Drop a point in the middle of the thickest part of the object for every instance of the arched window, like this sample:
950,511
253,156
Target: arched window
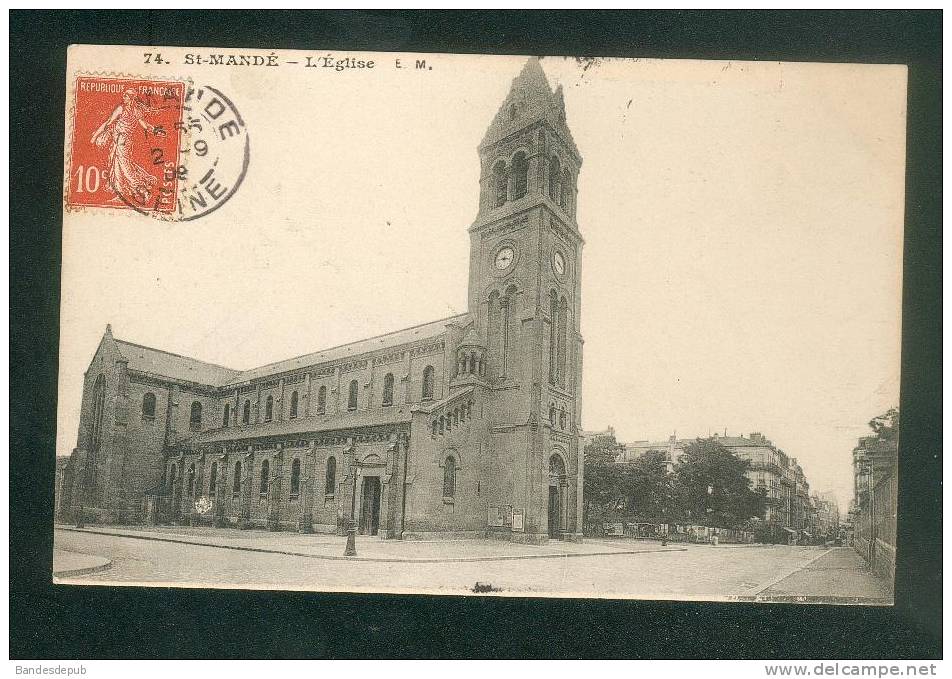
246,413
442,424
330,476
213,480
352,395
520,176
493,325
236,482
565,194
195,416
505,308
428,383
563,419
294,405
191,479
269,408
560,367
555,178
265,472
173,472
226,416
449,477
99,407
456,417
321,400
388,390
435,425
552,415
148,406
553,336
499,184
295,478
556,468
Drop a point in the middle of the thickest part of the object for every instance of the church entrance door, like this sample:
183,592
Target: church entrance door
555,511
556,483
370,506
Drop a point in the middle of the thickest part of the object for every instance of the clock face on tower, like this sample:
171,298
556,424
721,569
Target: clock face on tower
558,263
504,258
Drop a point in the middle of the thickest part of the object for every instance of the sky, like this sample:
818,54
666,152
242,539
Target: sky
743,227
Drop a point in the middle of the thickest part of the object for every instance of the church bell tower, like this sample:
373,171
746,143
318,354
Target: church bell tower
525,298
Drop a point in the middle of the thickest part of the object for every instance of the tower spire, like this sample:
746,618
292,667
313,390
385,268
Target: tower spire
529,101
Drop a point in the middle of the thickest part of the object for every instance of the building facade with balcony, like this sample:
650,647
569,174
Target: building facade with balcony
790,510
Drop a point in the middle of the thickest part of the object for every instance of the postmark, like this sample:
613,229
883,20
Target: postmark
215,152
167,149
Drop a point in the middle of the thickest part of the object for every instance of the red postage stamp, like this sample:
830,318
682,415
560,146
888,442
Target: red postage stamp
125,144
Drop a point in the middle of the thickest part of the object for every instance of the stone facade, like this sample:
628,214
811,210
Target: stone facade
460,427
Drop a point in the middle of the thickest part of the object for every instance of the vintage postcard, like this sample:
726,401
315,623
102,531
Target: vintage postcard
472,324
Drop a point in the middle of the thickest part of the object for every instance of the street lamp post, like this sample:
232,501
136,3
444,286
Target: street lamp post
351,548
710,513
870,545
81,519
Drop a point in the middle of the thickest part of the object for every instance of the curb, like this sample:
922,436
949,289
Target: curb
328,557
75,572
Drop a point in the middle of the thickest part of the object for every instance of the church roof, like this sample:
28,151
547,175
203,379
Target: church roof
174,366
177,367
424,331
306,425
534,100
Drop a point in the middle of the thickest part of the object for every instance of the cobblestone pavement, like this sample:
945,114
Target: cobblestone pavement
689,572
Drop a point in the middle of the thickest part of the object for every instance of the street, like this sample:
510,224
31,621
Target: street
627,569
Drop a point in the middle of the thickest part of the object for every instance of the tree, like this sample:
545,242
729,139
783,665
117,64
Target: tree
886,426
603,483
649,487
713,488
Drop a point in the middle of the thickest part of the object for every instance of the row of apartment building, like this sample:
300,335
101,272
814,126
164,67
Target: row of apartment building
793,511
873,509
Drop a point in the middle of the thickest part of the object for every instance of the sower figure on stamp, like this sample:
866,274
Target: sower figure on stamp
125,176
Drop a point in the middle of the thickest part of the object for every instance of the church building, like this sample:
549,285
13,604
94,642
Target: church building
466,426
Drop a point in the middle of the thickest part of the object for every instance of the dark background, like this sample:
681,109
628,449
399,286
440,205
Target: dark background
98,622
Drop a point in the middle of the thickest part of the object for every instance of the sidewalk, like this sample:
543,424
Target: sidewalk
369,548
838,576
69,564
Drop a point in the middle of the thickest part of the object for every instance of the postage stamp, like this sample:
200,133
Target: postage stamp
165,148
125,144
